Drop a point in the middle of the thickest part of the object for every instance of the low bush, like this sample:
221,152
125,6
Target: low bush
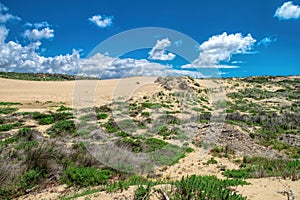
30,178
205,187
7,110
7,127
61,128
85,176
258,167
102,115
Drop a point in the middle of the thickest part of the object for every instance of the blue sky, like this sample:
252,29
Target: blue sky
236,38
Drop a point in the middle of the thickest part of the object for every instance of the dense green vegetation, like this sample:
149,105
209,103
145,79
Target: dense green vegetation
258,167
205,187
85,176
41,76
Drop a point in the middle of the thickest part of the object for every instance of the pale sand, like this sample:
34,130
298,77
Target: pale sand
29,92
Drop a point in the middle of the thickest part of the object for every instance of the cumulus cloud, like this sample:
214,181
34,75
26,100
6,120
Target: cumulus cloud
36,34
220,48
105,67
102,21
158,52
15,57
288,11
5,17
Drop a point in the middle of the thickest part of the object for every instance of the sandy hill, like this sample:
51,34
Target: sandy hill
58,136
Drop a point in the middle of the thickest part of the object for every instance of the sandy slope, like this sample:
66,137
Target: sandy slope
28,92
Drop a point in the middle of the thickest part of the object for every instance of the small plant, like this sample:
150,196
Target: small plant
7,110
30,179
111,126
205,187
212,161
24,131
102,116
63,108
122,134
9,103
85,176
64,127
142,193
7,127
146,114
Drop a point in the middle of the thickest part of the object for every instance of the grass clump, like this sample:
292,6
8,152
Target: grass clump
30,178
205,187
63,127
142,193
85,176
9,103
63,108
102,115
7,110
258,167
7,127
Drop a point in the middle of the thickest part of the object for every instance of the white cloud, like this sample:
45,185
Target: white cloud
220,48
288,11
36,34
38,25
158,52
15,57
5,17
266,41
3,34
102,21
104,67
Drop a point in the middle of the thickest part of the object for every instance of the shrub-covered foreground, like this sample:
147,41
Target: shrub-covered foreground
188,188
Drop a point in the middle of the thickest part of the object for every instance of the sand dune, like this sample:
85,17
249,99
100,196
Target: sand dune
28,92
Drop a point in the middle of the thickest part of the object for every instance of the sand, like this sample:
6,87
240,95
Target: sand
33,94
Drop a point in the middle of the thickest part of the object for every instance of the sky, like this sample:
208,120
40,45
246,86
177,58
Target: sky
200,38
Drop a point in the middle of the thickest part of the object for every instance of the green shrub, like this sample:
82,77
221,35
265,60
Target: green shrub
28,145
122,134
30,179
9,103
7,110
47,120
211,161
24,131
153,144
146,114
102,115
264,167
205,187
7,127
189,150
85,176
64,127
142,193
240,173
63,108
